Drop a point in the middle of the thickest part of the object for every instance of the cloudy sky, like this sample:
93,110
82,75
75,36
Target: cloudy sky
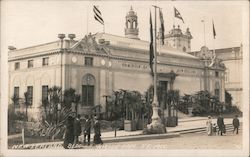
27,23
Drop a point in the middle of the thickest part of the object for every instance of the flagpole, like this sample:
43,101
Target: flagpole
213,38
173,15
204,29
214,45
87,19
174,19
155,62
156,125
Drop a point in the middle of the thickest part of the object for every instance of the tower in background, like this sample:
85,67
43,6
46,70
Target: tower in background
177,40
131,30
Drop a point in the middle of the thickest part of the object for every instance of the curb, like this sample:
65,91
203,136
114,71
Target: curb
191,120
140,137
109,140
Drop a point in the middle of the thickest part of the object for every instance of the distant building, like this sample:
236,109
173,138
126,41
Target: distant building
101,63
232,58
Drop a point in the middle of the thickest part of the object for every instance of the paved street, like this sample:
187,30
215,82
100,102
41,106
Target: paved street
187,141
195,139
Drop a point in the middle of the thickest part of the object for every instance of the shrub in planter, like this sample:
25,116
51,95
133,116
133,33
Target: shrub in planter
129,125
172,121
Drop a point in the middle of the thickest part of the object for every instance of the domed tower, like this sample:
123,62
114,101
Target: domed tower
131,30
178,40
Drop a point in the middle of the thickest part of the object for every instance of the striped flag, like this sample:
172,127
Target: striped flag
151,48
214,33
177,14
98,15
162,26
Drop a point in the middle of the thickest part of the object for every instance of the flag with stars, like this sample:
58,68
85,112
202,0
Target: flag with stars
177,14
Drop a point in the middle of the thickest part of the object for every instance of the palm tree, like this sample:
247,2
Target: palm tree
15,100
187,103
69,96
54,99
27,103
45,103
77,100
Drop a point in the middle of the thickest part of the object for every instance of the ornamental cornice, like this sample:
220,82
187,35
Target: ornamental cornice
146,52
86,53
162,63
128,49
115,57
33,55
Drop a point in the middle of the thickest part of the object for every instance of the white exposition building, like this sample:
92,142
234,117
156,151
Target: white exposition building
101,63
232,58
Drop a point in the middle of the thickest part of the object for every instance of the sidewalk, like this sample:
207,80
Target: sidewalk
121,135
184,124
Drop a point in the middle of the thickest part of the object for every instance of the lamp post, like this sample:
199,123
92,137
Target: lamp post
106,104
61,37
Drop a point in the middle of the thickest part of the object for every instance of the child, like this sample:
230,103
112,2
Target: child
214,129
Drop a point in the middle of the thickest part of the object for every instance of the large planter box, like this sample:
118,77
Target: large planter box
190,110
129,125
140,124
172,121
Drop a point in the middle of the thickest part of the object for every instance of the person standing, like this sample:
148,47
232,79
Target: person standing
77,129
97,130
214,129
236,124
209,126
69,133
220,123
87,130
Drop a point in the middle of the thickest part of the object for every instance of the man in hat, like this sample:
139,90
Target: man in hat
236,124
87,130
77,128
220,123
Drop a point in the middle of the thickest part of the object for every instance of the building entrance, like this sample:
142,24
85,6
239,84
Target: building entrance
88,95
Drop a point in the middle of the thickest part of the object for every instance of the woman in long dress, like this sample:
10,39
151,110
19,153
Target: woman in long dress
209,125
69,133
97,130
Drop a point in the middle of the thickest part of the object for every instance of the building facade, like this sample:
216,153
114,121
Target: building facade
101,63
232,59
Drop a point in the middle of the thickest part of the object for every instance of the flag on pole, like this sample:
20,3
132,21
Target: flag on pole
177,14
162,26
214,33
151,48
98,15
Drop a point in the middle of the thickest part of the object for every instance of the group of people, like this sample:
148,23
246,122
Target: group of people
212,128
74,130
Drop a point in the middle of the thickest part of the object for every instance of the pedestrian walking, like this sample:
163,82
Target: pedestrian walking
220,123
77,129
69,133
87,130
97,130
236,124
209,126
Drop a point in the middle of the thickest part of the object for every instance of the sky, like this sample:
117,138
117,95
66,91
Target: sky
28,23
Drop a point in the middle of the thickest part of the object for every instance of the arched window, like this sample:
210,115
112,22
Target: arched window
134,24
88,90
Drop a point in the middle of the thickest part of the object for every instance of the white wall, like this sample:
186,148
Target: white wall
187,84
